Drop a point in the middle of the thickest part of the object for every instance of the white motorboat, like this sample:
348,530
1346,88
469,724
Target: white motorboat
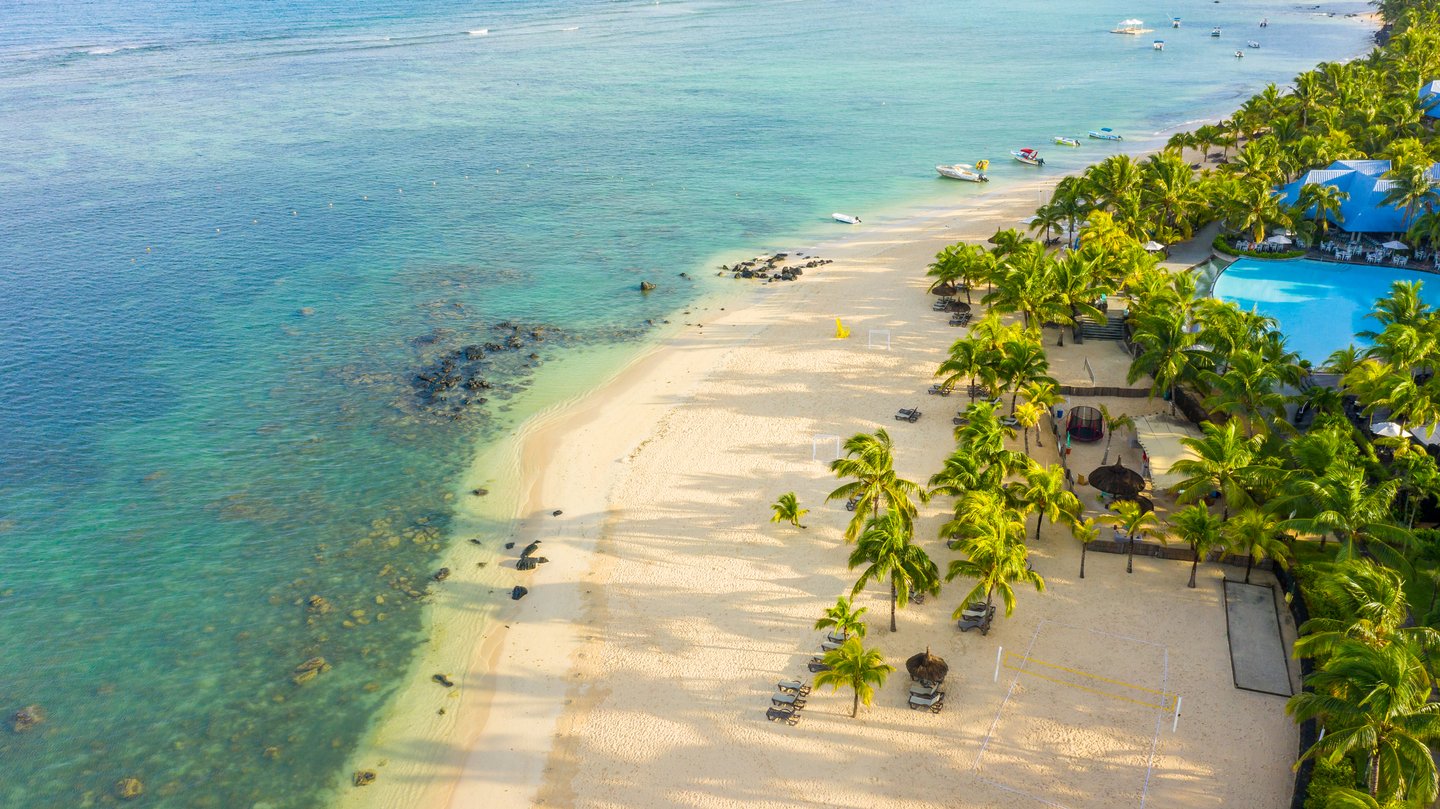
1174,22
1158,44
1029,157
964,171
1105,133
845,218
1239,54
1215,32
1132,27
1252,44
1064,141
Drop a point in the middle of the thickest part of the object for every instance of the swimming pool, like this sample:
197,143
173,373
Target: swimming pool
1319,305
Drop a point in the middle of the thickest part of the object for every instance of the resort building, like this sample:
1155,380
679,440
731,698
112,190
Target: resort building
1430,98
1364,181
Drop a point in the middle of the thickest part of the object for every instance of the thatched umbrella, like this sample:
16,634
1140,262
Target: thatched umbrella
944,288
925,666
959,306
1117,479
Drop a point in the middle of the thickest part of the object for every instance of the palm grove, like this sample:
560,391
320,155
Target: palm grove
1331,501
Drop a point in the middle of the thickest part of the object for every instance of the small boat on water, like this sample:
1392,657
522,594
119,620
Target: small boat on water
1215,32
1029,157
1158,44
1252,44
1064,141
965,171
1265,23
1239,54
1132,27
1105,133
845,218
1174,22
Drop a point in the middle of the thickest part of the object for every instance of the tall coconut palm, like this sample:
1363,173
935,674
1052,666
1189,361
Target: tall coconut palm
1365,603
1137,523
787,509
869,459
996,557
1255,533
1113,422
845,618
1197,527
1027,415
1022,362
1347,504
1223,462
1412,189
888,555
1043,491
1376,703
1085,531
859,669
1323,202
1166,351
1075,283
1252,207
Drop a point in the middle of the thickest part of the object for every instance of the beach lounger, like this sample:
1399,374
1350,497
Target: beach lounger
924,689
940,389
793,685
960,319
910,414
1009,421
789,716
829,645
974,609
817,664
852,502
840,638
942,304
981,621
932,703
787,699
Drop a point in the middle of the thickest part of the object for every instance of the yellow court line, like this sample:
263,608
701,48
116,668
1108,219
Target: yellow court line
1084,673
1167,704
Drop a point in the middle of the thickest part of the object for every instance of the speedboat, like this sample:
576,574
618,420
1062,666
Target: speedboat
1174,22
1064,141
1158,44
1239,54
845,218
1105,133
1029,157
1252,44
963,171
1215,32
1265,23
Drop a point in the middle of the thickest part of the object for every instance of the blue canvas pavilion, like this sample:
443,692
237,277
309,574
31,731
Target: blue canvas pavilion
1363,180
1430,98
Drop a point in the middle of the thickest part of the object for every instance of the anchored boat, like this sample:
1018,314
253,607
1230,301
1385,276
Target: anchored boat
1064,141
845,218
1105,133
965,171
1029,157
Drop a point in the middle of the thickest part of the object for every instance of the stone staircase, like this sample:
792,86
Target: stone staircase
1112,329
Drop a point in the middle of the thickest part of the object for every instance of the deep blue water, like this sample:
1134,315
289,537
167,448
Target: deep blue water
232,233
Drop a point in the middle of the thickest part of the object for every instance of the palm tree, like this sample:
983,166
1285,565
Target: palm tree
1085,531
1166,350
1044,492
857,668
1027,415
787,509
1255,533
1376,702
1022,361
1170,191
869,459
1075,284
1344,502
844,617
996,557
886,549
1252,207
1223,462
1197,527
1113,422
1369,606
1324,201
1136,523
969,359
1411,190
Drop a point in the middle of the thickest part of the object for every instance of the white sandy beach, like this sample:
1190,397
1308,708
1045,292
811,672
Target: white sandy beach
638,669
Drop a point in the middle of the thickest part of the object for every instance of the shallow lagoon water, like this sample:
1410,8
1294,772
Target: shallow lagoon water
234,233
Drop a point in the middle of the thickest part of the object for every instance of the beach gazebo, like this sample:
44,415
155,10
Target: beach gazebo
928,667
1117,479
1085,424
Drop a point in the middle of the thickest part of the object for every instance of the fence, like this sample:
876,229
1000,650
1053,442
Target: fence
1309,729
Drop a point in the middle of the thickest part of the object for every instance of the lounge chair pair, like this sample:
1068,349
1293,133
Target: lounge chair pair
941,389
794,686
941,304
787,699
816,664
977,616
932,703
924,688
829,645
960,318
910,414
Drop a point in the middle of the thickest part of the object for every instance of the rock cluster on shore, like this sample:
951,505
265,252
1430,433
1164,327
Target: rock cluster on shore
778,267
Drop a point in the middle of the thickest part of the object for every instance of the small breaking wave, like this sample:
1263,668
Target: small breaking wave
479,32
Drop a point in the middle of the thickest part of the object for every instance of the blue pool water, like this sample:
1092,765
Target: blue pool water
1319,305
233,233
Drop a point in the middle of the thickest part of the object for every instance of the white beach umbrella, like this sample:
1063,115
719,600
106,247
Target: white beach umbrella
1029,220
1388,429
1394,245
1154,247
1279,239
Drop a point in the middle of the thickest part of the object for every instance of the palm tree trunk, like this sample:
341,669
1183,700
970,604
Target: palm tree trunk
1083,546
1194,566
1249,563
855,706
893,598
1130,555
1039,518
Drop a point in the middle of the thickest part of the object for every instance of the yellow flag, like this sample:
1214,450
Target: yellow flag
840,331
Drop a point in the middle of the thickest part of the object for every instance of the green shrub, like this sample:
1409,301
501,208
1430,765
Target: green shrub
1326,777
1223,244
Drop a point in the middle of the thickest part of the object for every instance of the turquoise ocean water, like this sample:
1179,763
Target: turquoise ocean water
233,233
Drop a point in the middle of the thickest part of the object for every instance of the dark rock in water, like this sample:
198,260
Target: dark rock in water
509,545
473,353
526,563
542,560
442,574
129,788
556,513
479,492
475,541
309,670
317,604
27,718
646,286
363,778
443,680
518,593
530,549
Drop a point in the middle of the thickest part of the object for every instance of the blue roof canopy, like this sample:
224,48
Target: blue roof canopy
1363,180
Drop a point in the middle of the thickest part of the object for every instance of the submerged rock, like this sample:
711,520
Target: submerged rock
443,680
526,563
363,778
128,789
27,718
518,593
442,574
317,604
646,286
